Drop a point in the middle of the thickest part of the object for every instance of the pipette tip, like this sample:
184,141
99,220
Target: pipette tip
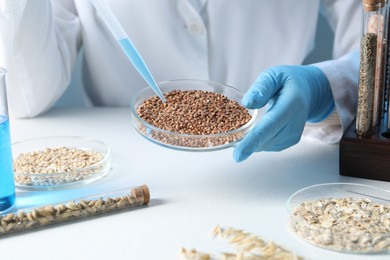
161,96
158,92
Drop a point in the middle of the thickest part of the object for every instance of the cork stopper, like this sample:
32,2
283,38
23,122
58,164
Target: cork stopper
146,192
372,5
141,194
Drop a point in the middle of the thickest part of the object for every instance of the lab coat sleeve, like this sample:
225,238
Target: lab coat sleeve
38,46
342,72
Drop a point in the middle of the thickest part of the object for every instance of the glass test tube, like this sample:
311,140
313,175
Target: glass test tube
386,103
7,187
89,206
372,22
380,63
386,64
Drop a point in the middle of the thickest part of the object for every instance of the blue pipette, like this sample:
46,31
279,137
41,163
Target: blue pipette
124,41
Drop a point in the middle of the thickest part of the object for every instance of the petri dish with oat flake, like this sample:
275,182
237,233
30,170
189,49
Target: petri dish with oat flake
59,162
343,217
197,142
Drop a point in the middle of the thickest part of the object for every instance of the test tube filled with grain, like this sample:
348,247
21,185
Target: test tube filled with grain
67,211
371,34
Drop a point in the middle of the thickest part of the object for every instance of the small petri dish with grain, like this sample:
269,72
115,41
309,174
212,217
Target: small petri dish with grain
59,162
344,217
198,115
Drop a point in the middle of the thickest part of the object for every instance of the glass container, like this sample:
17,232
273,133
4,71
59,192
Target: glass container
190,142
340,217
72,210
7,188
50,180
371,63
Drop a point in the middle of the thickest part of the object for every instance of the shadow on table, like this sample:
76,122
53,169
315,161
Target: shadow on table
275,175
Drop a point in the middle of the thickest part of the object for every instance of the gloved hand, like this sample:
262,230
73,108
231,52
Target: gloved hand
296,94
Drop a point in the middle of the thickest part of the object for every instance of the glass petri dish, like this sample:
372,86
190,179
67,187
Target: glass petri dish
30,180
189,142
339,226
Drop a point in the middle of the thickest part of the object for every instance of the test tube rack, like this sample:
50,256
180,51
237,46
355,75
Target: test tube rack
365,156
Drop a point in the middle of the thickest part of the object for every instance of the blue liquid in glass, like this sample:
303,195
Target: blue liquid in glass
7,188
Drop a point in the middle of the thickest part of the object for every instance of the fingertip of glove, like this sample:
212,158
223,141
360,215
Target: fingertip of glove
239,156
248,100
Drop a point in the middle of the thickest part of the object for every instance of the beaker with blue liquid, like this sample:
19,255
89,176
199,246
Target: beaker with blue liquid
7,187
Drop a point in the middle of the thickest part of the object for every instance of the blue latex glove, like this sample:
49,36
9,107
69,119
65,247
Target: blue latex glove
296,94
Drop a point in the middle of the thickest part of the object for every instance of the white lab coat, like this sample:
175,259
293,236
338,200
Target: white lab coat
228,41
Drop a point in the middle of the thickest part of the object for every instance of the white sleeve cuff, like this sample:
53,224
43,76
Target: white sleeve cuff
343,78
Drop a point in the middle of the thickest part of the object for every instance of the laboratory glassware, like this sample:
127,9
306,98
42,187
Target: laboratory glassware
7,187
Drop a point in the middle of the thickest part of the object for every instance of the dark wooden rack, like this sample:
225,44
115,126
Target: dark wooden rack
365,157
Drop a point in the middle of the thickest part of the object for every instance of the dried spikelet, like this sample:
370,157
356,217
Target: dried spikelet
238,231
203,256
248,247
216,231
228,256
193,254
238,238
241,255
227,233
248,240
269,249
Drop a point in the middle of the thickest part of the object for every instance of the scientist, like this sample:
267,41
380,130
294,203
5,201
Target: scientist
255,44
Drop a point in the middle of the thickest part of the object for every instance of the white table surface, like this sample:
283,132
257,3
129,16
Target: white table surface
190,194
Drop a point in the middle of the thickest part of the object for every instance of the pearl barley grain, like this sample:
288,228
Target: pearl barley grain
344,224
74,163
44,216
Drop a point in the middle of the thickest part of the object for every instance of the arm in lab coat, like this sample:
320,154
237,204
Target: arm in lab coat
344,18
38,46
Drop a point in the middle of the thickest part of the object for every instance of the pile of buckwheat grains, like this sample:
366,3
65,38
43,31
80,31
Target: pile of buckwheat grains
247,245
56,160
193,119
344,224
194,112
